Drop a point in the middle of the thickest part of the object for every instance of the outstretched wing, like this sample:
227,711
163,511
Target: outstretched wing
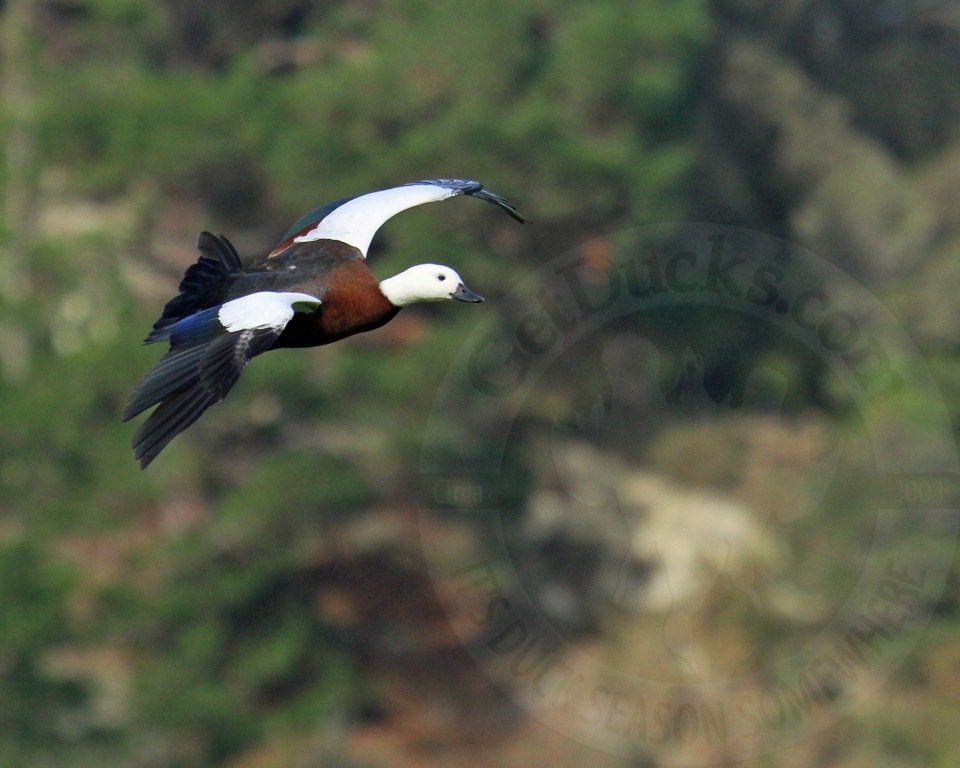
208,352
355,220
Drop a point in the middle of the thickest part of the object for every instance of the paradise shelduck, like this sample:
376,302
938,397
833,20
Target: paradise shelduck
314,288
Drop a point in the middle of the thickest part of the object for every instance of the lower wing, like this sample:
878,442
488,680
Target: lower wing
208,352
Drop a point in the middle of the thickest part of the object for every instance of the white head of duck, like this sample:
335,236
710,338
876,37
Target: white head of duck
426,282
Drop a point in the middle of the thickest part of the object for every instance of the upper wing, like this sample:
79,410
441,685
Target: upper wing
355,220
208,352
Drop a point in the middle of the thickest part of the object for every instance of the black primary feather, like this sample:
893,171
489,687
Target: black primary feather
493,197
473,189
188,381
176,370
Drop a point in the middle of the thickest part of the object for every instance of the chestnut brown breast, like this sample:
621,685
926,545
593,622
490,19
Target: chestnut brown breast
352,303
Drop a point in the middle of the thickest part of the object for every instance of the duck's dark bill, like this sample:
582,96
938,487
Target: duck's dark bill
465,294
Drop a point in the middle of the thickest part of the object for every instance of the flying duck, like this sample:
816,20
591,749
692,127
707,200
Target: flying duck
314,288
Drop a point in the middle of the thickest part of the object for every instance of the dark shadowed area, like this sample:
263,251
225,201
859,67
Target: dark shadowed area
682,491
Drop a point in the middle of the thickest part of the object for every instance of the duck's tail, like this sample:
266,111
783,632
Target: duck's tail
203,285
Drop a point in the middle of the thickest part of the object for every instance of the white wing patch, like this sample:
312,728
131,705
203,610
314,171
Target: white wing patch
357,221
265,309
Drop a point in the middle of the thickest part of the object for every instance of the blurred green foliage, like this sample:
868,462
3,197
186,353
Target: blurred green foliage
153,119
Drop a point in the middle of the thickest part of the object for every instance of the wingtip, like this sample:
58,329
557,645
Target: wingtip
144,460
500,201
517,216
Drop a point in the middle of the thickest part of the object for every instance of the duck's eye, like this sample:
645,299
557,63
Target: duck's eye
441,278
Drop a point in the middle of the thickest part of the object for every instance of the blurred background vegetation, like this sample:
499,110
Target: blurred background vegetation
259,597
